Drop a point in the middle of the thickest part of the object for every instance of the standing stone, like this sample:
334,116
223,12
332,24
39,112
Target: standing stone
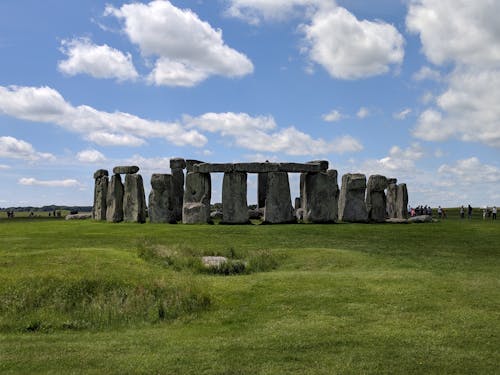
321,197
177,166
278,207
234,198
100,194
298,203
375,198
134,200
392,193
402,202
114,200
352,207
160,199
196,207
261,189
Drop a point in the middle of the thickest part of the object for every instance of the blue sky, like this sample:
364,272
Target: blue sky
407,89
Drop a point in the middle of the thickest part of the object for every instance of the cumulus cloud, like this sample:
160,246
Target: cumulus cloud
402,114
44,104
333,116
463,31
67,183
467,35
349,48
427,73
99,61
470,171
467,110
14,148
90,156
188,50
261,134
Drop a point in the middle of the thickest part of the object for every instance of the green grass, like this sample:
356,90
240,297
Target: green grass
91,297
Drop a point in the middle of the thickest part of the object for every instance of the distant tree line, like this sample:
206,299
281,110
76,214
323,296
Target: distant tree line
50,208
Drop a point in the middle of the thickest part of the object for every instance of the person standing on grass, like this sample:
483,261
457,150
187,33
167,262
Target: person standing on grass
469,212
440,212
462,212
494,213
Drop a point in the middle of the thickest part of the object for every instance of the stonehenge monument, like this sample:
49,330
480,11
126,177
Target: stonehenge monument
375,198
161,202
100,194
178,197
352,206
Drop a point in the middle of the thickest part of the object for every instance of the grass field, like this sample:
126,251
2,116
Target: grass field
92,297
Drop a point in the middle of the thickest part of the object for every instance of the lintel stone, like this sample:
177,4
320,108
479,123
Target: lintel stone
126,169
258,167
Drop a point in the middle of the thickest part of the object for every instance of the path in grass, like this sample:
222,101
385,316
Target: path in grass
344,299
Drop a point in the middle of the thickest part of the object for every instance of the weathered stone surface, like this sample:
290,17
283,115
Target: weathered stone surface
100,173
376,204
256,214
256,167
177,192
396,221
190,163
216,215
261,190
196,207
323,164
234,198
352,206
391,198
177,163
402,202
114,200
82,216
160,199
134,200
321,197
278,207
123,169
100,196
213,261
420,219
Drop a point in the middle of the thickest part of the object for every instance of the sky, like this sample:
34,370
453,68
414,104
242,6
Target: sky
409,89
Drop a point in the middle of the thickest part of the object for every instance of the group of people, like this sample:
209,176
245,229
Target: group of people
10,214
420,210
487,212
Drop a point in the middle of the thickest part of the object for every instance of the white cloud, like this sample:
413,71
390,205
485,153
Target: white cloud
427,73
253,11
333,116
14,148
68,183
84,57
400,163
188,49
90,156
467,110
150,165
427,97
45,104
460,31
349,48
470,172
254,133
4,167
363,112
402,114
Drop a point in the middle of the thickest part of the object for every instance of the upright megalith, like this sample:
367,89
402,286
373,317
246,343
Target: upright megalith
160,199
391,197
375,198
134,200
177,166
196,206
320,194
261,189
100,194
114,200
402,202
278,208
234,198
352,206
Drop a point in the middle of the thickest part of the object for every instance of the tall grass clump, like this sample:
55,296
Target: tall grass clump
45,304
